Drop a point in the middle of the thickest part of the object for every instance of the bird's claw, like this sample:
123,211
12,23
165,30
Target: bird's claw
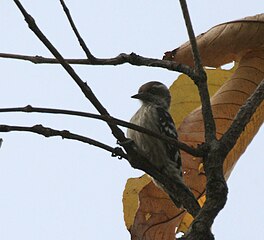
117,152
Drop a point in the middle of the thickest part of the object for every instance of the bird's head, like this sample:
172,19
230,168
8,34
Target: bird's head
155,93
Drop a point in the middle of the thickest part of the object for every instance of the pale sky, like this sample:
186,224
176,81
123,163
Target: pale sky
54,189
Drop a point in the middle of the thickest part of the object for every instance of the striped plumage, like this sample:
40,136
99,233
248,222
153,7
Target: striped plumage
153,114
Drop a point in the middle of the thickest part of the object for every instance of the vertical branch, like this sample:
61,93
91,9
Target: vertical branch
209,123
196,55
200,79
216,187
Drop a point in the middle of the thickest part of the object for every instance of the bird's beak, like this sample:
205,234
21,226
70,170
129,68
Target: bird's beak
138,96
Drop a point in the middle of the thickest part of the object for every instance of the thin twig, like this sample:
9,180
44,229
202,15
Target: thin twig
65,134
75,30
111,120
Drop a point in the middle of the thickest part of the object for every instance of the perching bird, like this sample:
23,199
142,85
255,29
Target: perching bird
154,115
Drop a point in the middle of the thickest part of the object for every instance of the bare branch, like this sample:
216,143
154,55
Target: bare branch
242,118
209,123
200,79
216,187
109,119
122,58
196,55
81,41
65,134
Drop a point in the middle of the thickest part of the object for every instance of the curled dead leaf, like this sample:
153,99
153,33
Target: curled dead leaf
224,43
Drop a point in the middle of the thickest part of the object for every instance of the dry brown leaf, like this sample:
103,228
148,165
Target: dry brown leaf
130,197
224,43
156,217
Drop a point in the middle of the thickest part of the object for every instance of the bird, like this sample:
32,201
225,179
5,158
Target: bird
154,115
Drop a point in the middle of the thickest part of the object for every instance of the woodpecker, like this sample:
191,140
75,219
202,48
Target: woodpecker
153,114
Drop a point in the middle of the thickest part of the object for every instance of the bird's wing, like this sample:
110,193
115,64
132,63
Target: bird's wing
167,128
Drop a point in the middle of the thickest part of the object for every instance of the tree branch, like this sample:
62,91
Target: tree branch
65,134
81,41
196,55
109,119
216,188
200,79
122,58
